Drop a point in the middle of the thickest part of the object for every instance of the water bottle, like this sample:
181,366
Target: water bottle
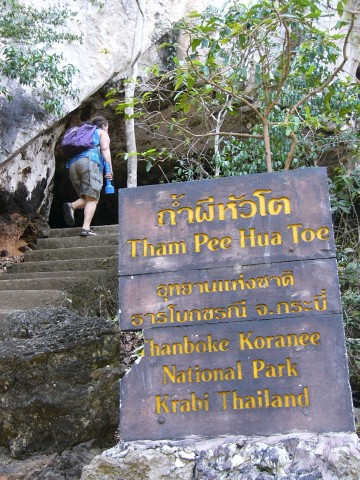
109,188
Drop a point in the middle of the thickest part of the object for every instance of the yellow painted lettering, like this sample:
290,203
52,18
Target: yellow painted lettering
133,244
160,404
200,239
323,233
258,366
294,230
224,395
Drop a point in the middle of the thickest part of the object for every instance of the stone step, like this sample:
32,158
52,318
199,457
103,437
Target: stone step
11,301
62,265
74,231
50,274
76,242
69,283
71,253
64,270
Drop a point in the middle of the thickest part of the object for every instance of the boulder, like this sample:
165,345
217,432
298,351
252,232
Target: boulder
55,466
59,381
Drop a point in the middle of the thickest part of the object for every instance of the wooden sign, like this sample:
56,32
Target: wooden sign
250,378
235,282
214,295
232,221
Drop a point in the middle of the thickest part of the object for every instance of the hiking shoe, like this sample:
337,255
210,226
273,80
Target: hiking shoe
68,214
86,233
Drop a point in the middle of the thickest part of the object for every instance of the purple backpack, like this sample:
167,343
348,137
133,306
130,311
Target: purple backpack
78,139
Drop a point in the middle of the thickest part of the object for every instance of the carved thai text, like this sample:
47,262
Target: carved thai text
208,210
173,315
166,291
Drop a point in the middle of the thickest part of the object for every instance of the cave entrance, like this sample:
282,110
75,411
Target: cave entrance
107,209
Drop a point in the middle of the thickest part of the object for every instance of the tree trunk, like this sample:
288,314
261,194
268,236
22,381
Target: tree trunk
130,132
129,97
267,146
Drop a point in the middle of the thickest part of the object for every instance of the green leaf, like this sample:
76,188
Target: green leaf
150,151
111,101
258,79
179,82
194,14
340,8
190,81
195,43
351,267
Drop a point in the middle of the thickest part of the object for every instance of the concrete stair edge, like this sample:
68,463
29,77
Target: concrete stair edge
26,300
54,266
69,253
57,283
50,274
66,271
74,231
76,241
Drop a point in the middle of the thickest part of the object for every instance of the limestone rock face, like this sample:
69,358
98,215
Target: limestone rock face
26,190
107,50
58,381
290,457
114,33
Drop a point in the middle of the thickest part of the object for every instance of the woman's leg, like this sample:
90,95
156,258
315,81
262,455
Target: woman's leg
89,211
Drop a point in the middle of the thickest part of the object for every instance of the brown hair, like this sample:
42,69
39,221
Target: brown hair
99,121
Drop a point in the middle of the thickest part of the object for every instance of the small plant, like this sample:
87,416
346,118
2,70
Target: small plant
132,347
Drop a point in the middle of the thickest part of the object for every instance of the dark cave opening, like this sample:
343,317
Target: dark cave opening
107,209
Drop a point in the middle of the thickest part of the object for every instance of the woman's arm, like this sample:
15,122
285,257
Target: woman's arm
105,150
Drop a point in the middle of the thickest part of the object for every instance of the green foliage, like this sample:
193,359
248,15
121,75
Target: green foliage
270,66
318,138
261,88
168,48
344,197
345,204
275,60
349,274
27,34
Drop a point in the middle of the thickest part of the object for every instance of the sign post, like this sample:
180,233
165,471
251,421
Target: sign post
234,282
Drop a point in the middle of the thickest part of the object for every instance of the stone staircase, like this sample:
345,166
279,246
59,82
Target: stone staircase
64,270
